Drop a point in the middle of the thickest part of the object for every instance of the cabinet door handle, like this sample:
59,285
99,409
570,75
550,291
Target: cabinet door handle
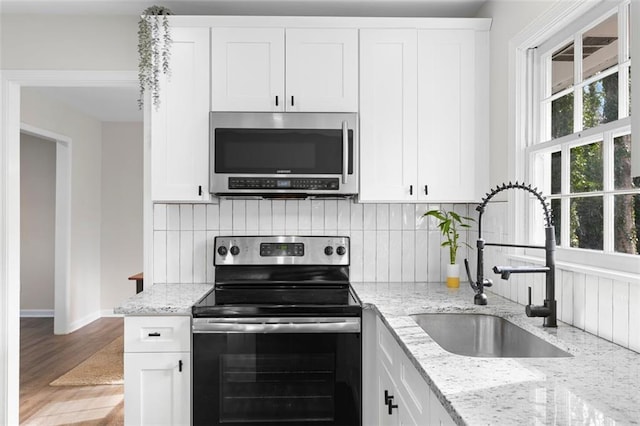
180,366
200,190
391,407
410,189
156,334
292,100
276,100
426,190
388,399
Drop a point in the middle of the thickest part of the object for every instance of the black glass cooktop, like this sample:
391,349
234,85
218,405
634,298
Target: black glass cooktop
276,291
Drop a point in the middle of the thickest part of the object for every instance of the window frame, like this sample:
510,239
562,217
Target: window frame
536,128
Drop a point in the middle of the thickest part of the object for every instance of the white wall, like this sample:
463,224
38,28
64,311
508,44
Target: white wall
86,164
509,18
37,214
78,42
389,242
121,229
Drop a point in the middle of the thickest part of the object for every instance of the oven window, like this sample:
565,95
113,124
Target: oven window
271,151
277,387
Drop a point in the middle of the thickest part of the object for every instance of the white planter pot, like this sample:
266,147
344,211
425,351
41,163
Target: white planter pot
453,276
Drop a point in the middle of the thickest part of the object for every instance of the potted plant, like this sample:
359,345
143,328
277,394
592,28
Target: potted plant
154,51
449,223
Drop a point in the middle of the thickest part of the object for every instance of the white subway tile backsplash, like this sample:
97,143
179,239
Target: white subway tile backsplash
239,220
330,215
160,256
199,256
199,217
395,256
213,217
173,256
382,255
226,215
186,217
186,256
291,217
252,214
173,217
389,242
160,217
369,256
304,216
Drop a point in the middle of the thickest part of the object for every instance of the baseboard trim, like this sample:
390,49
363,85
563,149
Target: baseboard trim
109,313
36,313
83,321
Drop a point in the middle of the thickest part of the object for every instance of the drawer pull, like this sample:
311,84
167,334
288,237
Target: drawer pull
180,366
154,334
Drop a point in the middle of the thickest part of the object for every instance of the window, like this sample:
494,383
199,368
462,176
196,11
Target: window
579,153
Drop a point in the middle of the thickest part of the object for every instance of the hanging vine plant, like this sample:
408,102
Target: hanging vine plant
154,50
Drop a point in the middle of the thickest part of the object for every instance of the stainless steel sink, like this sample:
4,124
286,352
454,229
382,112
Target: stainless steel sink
485,336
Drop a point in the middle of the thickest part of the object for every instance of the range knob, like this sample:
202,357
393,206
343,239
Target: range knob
222,251
234,250
341,250
328,250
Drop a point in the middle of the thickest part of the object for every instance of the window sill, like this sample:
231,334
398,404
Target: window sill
622,268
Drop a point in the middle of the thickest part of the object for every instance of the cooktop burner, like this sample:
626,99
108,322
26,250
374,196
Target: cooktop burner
280,276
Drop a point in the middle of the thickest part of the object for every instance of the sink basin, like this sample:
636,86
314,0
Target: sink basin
485,336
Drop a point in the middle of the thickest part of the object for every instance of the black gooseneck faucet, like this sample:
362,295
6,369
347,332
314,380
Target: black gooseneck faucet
548,309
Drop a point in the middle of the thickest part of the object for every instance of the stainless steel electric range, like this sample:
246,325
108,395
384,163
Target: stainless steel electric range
278,340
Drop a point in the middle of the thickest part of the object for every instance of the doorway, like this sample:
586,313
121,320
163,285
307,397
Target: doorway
45,205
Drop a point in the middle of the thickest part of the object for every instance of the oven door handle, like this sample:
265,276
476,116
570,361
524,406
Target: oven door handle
276,325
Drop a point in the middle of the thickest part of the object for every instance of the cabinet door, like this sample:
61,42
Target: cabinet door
180,126
388,115
247,69
322,70
386,387
446,110
157,388
438,414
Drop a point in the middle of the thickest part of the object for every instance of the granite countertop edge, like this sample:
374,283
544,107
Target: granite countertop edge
164,299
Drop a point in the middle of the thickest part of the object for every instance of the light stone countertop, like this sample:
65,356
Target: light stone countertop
599,385
164,299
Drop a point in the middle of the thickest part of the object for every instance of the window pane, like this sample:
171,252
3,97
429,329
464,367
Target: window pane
556,172
586,223
586,168
627,223
622,163
600,101
562,68
562,116
600,47
556,212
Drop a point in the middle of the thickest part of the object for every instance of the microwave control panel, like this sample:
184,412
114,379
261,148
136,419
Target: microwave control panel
328,184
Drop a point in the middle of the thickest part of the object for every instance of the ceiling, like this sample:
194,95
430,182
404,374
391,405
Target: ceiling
414,8
121,104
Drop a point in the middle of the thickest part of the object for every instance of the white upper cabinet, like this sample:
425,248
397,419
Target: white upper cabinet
388,115
423,115
180,125
250,72
322,70
247,69
446,115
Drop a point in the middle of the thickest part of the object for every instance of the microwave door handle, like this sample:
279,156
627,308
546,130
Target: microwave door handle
345,151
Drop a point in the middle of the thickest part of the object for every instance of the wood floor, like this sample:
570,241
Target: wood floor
44,357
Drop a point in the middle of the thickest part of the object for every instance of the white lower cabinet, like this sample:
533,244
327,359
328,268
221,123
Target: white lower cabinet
394,392
157,370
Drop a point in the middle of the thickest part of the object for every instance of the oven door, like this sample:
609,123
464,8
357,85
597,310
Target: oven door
277,371
286,152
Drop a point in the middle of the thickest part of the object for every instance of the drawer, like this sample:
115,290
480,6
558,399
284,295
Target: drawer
157,334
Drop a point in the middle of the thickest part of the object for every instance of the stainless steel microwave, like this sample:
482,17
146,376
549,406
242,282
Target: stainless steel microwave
283,154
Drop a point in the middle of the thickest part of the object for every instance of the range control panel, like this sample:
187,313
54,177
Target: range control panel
306,184
281,250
